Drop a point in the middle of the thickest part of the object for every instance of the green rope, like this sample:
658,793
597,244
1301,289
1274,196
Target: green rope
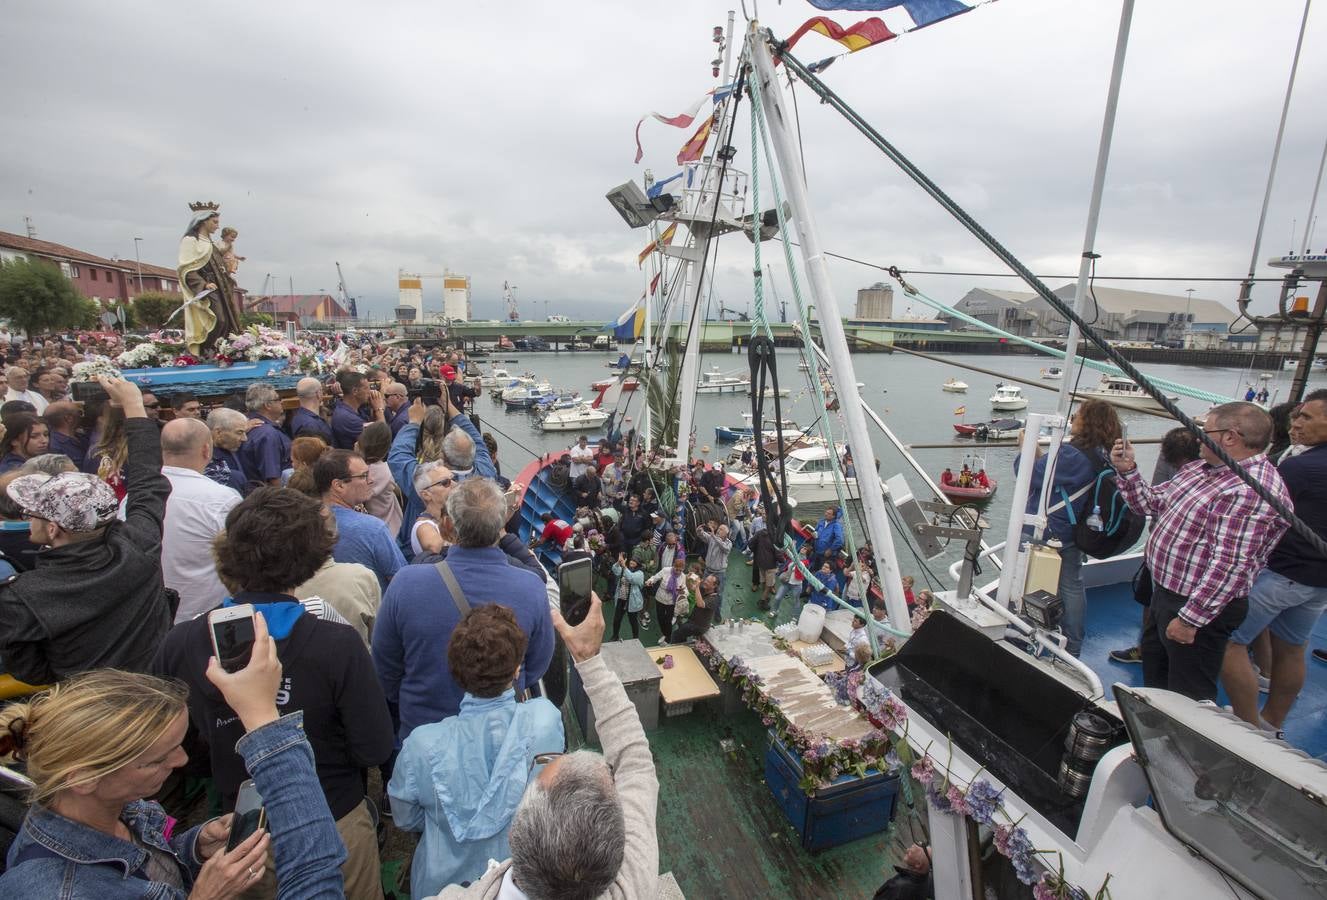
840,485
1106,368
760,321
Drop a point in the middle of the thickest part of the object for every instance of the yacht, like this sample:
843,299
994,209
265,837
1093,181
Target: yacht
954,386
1008,397
1052,373
495,377
580,417
810,475
713,381
526,395
1123,392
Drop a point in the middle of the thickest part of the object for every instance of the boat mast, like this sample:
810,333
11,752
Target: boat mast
711,190
1067,384
831,329
646,370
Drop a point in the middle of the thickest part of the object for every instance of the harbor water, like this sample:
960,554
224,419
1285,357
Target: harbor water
904,390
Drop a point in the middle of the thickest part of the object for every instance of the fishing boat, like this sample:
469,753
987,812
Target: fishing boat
713,381
729,434
1008,397
504,344
494,377
954,386
1052,373
580,416
1122,392
628,384
994,430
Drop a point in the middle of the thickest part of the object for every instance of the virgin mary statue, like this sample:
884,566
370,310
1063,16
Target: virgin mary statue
209,307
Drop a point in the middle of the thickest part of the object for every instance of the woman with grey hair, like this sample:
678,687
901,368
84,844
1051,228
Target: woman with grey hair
48,464
432,530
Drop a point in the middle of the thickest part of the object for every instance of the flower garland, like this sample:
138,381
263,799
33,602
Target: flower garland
886,749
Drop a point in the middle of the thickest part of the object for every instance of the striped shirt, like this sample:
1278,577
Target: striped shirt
1211,534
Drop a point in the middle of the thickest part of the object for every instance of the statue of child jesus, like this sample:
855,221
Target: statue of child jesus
227,247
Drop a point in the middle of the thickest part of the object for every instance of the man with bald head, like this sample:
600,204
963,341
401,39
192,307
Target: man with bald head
307,419
195,513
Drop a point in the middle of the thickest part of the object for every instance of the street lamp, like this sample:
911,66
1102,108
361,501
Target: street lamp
138,259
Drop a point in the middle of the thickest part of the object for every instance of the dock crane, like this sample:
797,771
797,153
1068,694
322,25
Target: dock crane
346,300
509,297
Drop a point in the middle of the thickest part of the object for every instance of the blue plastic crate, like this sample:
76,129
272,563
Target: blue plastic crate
848,809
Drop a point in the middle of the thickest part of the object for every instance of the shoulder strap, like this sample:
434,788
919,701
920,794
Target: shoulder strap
34,850
1069,500
449,579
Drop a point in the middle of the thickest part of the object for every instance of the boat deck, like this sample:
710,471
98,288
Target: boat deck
1113,621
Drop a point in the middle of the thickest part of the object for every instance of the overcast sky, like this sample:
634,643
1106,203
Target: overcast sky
482,138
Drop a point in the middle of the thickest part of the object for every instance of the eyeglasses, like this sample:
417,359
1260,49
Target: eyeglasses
444,482
543,759
151,405
364,475
1220,430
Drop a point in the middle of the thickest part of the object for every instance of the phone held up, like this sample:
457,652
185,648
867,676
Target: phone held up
250,816
232,633
575,583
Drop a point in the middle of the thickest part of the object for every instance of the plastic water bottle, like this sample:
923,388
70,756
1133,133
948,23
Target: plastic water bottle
1094,522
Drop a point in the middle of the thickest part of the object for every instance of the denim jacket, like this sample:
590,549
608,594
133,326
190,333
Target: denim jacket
68,860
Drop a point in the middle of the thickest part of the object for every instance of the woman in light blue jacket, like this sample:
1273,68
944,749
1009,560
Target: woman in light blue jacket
628,598
460,780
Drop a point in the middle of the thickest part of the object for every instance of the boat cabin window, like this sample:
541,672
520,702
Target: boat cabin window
815,465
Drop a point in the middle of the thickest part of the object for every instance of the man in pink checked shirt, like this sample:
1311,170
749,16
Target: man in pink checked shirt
1211,534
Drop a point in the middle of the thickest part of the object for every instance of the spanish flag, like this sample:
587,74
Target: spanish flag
960,411
856,37
664,240
693,148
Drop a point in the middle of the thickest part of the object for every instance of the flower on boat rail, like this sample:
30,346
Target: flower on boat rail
923,770
983,799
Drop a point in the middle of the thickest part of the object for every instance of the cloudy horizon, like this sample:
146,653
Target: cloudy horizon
423,136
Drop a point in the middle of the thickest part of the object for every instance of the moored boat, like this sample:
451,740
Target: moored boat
954,386
1008,397
1123,392
578,417
713,381
1052,373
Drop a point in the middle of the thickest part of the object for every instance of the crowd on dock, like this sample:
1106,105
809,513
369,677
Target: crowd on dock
370,530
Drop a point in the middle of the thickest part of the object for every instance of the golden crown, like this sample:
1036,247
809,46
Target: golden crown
200,206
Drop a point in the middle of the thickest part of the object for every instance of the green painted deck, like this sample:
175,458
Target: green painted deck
720,832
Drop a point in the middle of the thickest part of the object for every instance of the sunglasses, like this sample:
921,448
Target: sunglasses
543,759
444,482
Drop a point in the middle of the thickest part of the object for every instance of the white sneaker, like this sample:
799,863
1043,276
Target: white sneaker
1264,684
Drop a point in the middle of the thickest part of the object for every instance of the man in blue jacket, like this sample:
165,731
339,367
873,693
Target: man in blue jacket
465,454
422,607
829,537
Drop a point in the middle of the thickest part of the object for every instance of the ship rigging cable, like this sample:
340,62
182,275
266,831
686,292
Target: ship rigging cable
830,98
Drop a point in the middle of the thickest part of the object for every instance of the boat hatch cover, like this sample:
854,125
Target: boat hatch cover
1254,807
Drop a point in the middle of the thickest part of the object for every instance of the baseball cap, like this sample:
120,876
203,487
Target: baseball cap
449,372
76,501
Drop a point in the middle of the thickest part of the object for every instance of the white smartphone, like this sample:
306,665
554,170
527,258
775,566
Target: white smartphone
1124,433
232,633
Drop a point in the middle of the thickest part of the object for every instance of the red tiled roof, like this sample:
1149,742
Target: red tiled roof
25,244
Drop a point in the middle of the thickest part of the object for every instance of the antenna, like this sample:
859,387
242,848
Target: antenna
29,227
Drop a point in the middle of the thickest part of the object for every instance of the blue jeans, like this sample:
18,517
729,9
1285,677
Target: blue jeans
723,583
1074,597
783,590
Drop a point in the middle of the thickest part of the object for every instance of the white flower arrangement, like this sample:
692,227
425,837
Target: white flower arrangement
143,356
97,365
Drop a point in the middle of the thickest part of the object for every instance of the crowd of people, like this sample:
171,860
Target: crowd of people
399,623
1230,595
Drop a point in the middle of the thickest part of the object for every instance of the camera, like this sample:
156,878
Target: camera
429,391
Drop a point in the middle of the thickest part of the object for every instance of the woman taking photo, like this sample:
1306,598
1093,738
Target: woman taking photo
1092,432
97,744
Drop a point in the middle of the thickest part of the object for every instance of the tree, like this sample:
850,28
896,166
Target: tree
152,308
36,297
256,318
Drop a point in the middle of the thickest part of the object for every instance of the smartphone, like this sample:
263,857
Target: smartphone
1124,433
575,583
250,816
231,628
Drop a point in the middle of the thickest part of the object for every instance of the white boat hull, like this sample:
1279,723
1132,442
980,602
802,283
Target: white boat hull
1009,405
1143,404
954,388
811,488
573,420
736,388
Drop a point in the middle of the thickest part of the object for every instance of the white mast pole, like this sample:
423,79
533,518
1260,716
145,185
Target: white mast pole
831,330
1094,207
645,377
711,187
